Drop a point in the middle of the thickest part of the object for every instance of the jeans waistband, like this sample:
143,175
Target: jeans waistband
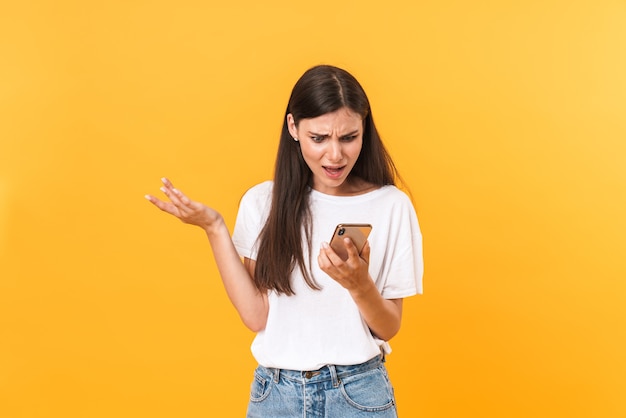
328,372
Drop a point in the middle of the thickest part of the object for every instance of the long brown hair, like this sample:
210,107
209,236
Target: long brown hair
320,90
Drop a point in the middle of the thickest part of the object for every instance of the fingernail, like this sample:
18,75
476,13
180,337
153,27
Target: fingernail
163,189
324,244
147,196
163,179
176,191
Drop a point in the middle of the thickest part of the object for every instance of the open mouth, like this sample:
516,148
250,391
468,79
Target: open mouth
334,172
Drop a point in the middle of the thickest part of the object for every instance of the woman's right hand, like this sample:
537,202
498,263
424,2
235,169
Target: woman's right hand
185,209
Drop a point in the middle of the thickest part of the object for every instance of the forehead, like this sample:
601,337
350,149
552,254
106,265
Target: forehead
343,119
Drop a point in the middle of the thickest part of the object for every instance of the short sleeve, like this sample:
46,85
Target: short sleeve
251,217
404,265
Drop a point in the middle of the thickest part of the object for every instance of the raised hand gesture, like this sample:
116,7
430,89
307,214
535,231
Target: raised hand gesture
185,209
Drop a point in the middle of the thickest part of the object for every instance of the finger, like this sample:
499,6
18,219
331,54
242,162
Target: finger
177,197
169,192
332,256
182,197
322,257
323,262
328,260
169,189
327,266
167,183
350,248
167,186
164,206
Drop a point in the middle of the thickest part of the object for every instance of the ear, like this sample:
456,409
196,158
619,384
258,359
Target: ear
291,125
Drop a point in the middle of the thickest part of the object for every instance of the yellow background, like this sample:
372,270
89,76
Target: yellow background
506,119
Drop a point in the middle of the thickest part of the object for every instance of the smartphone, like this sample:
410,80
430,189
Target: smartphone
358,233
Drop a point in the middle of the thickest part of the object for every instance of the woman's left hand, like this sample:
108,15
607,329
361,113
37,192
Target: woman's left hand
351,273
383,316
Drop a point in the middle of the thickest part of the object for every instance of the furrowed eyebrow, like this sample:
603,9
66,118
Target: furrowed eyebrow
355,132
320,135
350,134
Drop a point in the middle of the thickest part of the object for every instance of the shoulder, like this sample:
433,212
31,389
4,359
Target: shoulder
254,206
258,195
261,189
392,194
393,202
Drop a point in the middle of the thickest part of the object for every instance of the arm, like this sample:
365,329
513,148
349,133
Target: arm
251,304
383,316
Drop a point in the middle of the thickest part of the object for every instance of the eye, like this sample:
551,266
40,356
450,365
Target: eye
349,138
317,138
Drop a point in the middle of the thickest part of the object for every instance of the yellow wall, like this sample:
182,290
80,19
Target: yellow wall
507,119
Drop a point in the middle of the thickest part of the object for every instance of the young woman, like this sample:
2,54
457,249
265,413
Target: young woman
322,323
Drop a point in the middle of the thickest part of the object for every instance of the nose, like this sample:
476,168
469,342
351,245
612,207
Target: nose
334,152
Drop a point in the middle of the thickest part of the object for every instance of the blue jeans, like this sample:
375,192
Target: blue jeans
361,390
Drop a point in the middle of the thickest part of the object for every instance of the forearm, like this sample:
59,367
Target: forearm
383,316
250,303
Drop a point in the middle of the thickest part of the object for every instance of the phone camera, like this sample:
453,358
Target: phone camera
341,231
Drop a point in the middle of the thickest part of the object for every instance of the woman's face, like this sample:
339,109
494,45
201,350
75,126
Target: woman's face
330,146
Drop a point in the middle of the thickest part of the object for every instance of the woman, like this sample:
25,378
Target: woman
322,322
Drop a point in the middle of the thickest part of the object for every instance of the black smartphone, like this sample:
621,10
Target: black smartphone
358,233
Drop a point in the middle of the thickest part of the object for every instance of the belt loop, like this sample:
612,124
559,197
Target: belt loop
276,375
333,375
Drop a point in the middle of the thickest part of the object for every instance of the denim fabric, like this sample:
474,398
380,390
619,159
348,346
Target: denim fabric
361,390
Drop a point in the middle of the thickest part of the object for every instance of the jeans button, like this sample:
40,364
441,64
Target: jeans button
308,375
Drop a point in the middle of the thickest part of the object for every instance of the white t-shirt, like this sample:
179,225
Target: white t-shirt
317,327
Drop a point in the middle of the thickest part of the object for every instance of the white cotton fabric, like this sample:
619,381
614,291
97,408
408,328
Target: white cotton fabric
319,327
